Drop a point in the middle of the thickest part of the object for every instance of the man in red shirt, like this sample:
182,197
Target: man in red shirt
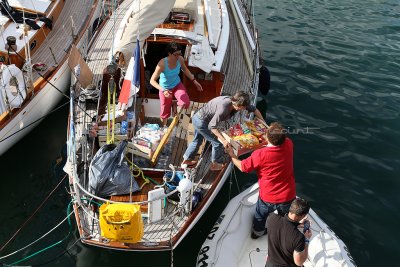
274,167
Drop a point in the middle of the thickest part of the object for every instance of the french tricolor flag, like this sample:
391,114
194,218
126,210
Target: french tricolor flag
131,83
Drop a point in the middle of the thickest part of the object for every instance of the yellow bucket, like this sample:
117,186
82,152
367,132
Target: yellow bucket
121,222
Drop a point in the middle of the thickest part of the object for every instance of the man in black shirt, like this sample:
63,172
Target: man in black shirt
287,246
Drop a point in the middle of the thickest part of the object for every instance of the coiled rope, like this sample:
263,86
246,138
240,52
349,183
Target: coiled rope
136,168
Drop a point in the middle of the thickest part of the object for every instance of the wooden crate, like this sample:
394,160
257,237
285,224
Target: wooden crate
237,148
139,150
117,138
152,153
119,119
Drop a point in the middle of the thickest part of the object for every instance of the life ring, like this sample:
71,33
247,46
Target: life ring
13,84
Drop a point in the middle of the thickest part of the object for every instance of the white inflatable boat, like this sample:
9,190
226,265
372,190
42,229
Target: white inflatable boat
229,242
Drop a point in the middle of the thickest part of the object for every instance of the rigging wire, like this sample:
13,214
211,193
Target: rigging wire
61,254
114,7
233,173
44,116
49,82
37,16
48,247
11,17
33,214
64,251
114,4
55,87
236,179
230,185
71,246
171,246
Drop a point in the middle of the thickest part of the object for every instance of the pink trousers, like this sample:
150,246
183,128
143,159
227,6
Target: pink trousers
180,94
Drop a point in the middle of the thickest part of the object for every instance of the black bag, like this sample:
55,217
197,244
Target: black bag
109,173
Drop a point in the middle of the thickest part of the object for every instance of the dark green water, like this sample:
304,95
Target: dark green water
335,68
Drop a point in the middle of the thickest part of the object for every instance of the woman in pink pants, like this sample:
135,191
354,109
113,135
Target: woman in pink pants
170,84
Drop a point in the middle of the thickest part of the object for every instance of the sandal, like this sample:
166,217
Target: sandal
215,166
189,163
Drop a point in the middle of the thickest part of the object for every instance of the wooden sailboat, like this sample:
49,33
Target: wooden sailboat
220,48
36,40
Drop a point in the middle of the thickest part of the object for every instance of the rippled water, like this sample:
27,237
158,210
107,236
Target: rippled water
335,69
335,85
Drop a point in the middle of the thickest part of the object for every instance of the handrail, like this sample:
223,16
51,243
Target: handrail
119,202
240,15
241,38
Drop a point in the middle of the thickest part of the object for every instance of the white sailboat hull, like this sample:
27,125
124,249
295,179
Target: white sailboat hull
41,104
229,242
46,98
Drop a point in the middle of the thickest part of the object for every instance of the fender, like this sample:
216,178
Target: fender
264,80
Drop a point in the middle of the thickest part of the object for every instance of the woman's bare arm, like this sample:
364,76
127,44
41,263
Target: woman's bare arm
156,75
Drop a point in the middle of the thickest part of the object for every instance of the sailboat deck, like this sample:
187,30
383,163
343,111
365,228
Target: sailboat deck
72,18
162,230
237,74
164,234
99,54
172,152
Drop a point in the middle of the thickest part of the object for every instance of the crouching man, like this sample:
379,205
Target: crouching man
287,246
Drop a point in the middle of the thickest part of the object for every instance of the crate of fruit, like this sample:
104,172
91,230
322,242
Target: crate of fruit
247,136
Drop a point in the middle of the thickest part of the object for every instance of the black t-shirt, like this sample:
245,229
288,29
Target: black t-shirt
283,239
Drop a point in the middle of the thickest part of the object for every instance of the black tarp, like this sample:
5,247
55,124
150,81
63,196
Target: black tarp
109,173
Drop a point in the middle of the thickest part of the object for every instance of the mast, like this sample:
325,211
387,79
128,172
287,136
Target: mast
28,61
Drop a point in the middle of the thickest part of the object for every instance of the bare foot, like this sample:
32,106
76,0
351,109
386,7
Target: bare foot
174,108
164,122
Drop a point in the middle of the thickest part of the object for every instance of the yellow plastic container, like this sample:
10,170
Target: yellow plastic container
121,222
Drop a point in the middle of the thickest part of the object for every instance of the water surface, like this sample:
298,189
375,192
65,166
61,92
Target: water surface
334,68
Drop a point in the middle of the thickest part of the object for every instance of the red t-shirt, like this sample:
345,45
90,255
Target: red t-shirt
274,167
